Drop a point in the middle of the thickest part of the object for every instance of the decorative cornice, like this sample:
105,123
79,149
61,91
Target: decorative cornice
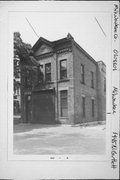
46,55
69,49
43,88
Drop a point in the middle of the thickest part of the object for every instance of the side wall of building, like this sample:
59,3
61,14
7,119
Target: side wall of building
101,91
84,90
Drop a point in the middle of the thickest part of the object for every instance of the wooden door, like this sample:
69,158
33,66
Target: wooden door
43,107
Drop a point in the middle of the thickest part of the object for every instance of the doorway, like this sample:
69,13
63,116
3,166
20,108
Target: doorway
43,107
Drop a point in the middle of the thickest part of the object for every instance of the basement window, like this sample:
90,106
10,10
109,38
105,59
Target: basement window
63,69
64,103
48,72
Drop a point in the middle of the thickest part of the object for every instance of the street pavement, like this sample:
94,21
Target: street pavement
59,139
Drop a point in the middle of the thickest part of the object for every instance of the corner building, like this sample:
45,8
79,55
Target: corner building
73,85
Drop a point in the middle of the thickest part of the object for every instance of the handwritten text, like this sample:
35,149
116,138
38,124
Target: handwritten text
114,104
114,151
116,19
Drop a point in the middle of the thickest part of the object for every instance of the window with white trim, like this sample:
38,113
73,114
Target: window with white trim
64,103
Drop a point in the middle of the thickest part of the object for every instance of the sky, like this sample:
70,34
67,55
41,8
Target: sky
55,25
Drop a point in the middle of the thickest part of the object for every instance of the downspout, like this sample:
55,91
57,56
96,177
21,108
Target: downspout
57,96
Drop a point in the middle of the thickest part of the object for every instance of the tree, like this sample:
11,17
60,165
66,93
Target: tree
26,69
25,65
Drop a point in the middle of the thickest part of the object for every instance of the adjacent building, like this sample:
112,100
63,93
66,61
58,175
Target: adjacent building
17,90
71,87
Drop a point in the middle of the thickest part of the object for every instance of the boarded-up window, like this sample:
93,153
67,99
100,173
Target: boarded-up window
64,103
48,72
63,69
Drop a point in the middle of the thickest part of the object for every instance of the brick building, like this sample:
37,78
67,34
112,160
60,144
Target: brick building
72,86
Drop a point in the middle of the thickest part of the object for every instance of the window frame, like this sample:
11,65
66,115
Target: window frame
92,79
93,107
41,74
83,106
82,74
65,106
104,84
61,71
48,73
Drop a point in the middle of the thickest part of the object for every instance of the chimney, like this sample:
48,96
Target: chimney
69,36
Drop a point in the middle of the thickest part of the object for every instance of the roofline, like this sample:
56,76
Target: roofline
52,43
95,62
39,40
60,40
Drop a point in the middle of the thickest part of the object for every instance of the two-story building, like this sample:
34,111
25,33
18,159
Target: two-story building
72,88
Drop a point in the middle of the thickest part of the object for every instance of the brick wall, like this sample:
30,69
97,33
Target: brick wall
67,85
84,89
76,90
62,85
101,94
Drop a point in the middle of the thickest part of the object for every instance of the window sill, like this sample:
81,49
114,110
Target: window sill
83,83
63,80
49,82
61,117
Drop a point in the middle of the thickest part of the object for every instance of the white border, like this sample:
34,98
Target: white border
97,166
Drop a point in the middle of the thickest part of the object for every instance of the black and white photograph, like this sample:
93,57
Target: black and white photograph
61,95
59,88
